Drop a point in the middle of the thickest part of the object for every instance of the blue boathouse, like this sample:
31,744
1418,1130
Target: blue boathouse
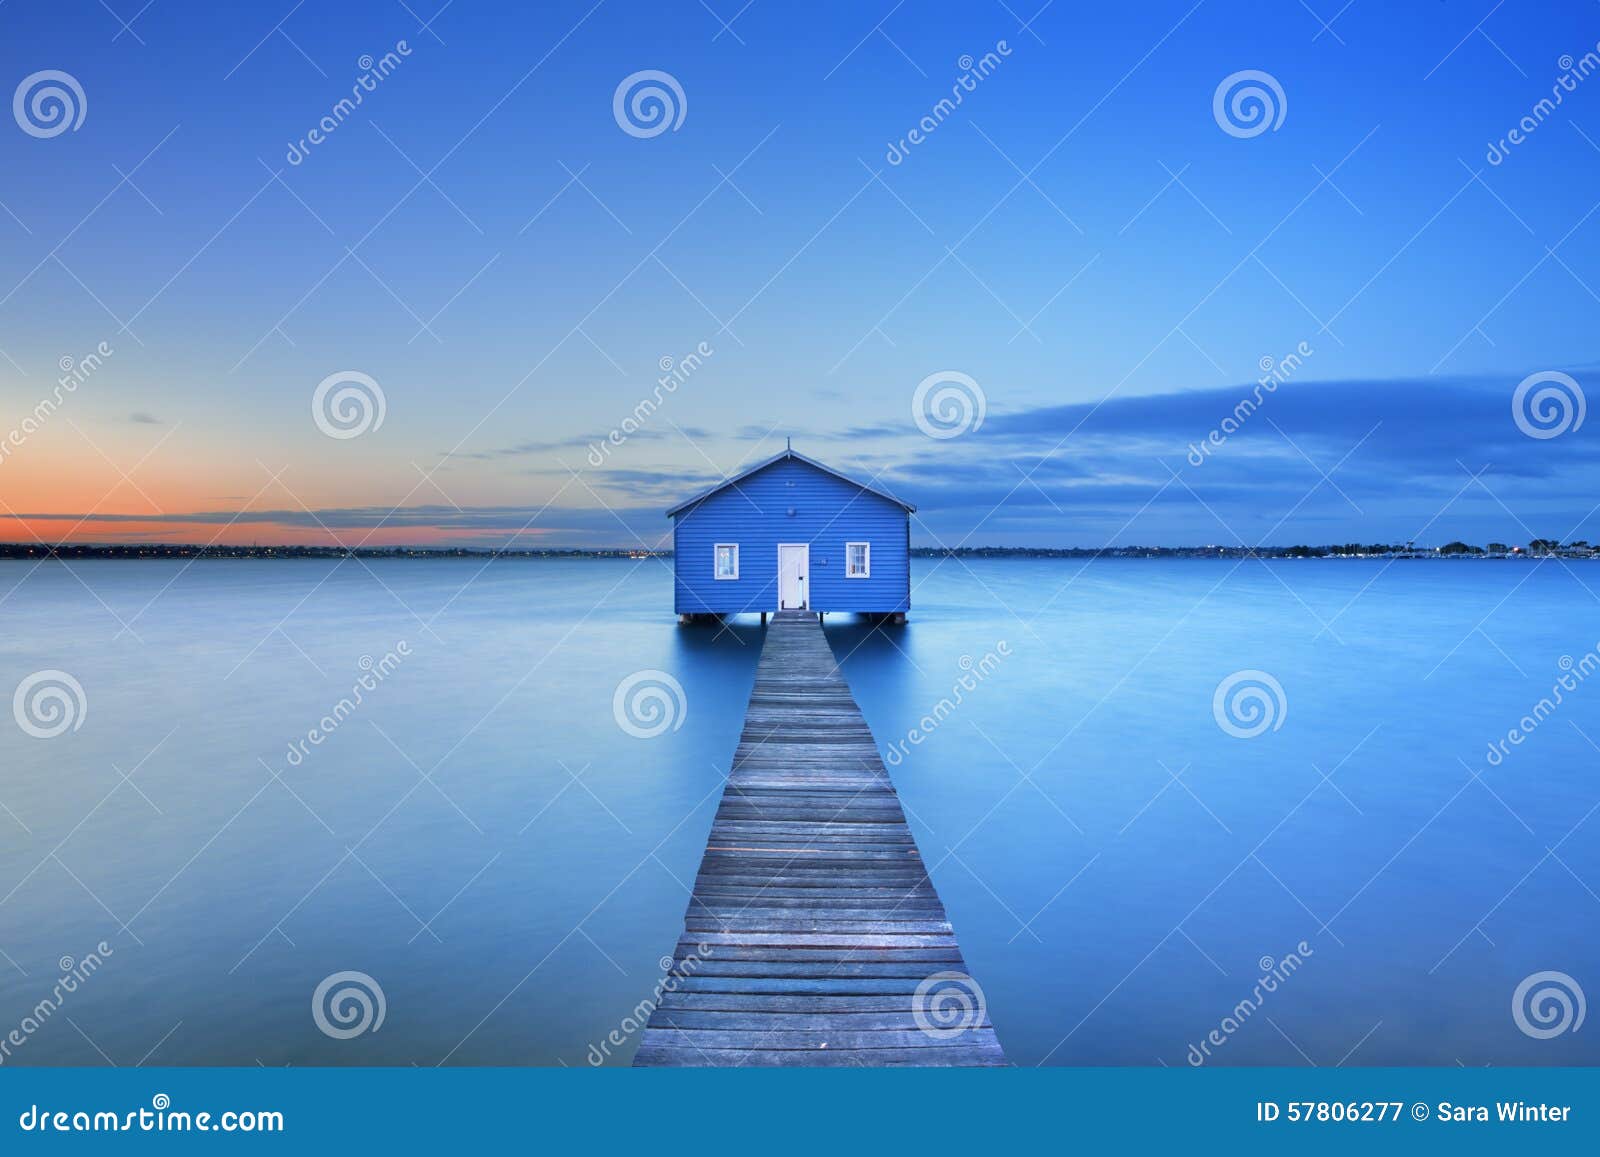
792,534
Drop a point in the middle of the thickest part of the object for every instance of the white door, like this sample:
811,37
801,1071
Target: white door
793,566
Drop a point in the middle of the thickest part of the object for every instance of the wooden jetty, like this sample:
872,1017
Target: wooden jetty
814,935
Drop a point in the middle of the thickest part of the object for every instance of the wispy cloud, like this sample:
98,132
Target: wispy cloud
1313,462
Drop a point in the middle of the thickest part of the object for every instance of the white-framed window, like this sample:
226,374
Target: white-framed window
858,560
725,564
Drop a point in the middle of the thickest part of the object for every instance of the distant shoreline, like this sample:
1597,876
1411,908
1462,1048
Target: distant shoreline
1456,550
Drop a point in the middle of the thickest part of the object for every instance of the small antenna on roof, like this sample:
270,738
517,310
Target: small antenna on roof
788,444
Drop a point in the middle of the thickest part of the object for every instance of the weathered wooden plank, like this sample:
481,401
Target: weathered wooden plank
831,939
863,925
771,1039
947,958
818,969
813,891
813,924
799,813
858,830
829,845
792,1021
847,862
815,880
801,856
929,1056
786,1002
813,868
836,855
757,910
903,987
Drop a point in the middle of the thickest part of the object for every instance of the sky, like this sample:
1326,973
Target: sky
1044,317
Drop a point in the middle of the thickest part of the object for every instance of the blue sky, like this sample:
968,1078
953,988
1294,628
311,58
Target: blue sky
1080,237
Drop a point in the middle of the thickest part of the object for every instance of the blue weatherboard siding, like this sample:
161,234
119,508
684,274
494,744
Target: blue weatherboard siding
828,511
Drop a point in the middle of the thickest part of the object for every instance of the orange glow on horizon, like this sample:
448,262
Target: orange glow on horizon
27,532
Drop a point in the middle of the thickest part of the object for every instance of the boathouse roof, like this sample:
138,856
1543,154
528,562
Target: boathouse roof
779,457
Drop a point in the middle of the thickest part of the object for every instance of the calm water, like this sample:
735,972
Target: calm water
482,838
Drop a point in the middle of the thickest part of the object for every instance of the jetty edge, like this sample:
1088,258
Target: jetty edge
814,935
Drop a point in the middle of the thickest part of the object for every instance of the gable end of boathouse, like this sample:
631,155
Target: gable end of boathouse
791,533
